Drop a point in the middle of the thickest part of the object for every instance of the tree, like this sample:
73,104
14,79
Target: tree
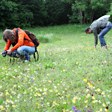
78,8
85,11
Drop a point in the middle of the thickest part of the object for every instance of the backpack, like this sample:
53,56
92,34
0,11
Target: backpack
31,36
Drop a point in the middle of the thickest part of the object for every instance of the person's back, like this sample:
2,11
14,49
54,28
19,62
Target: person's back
100,22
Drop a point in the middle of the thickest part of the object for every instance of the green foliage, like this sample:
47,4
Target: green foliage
14,15
78,8
44,39
28,13
85,11
110,12
7,9
57,11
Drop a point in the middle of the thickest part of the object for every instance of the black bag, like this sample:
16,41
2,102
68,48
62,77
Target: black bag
33,38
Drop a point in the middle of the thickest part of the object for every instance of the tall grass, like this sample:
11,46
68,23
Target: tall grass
70,73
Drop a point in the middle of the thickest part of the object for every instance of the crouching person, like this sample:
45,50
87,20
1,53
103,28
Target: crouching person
22,45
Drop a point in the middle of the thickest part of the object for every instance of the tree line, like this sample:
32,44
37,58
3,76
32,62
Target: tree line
31,13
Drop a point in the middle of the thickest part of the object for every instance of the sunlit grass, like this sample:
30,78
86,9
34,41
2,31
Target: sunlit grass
70,73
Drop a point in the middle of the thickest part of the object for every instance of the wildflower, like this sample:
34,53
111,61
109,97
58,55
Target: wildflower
75,110
1,94
93,97
85,80
37,94
51,91
54,103
90,85
94,101
13,106
86,101
48,104
98,90
87,90
48,74
64,70
49,81
99,101
7,93
108,102
45,93
64,110
0,87
100,109
104,105
74,99
64,102
1,107
106,110
88,95
103,93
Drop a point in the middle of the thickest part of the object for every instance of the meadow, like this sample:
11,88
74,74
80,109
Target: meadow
70,76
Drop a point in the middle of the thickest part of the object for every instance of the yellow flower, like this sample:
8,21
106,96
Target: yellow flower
64,70
100,109
37,94
103,93
64,110
88,95
13,106
93,97
94,101
74,99
1,107
86,101
49,81
0,87
104,105
48,74
90,85
54,103
85,80
64,102
7,93
106,110
98,90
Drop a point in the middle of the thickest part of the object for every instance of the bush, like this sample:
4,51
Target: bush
45,38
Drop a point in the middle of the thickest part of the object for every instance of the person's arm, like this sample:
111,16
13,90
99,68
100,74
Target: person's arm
95,37
20,41
7,46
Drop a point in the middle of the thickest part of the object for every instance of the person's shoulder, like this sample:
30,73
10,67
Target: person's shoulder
20,31
104,17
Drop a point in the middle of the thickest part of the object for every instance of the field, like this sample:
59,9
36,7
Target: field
70,75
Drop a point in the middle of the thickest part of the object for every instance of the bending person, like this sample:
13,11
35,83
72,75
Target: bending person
99,28
21,44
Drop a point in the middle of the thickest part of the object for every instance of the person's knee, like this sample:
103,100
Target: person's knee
20,51
100,36
109,25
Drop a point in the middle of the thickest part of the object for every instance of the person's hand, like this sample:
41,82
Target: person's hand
9,51
95,46
4,53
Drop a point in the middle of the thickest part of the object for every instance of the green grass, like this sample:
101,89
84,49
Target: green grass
70,72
